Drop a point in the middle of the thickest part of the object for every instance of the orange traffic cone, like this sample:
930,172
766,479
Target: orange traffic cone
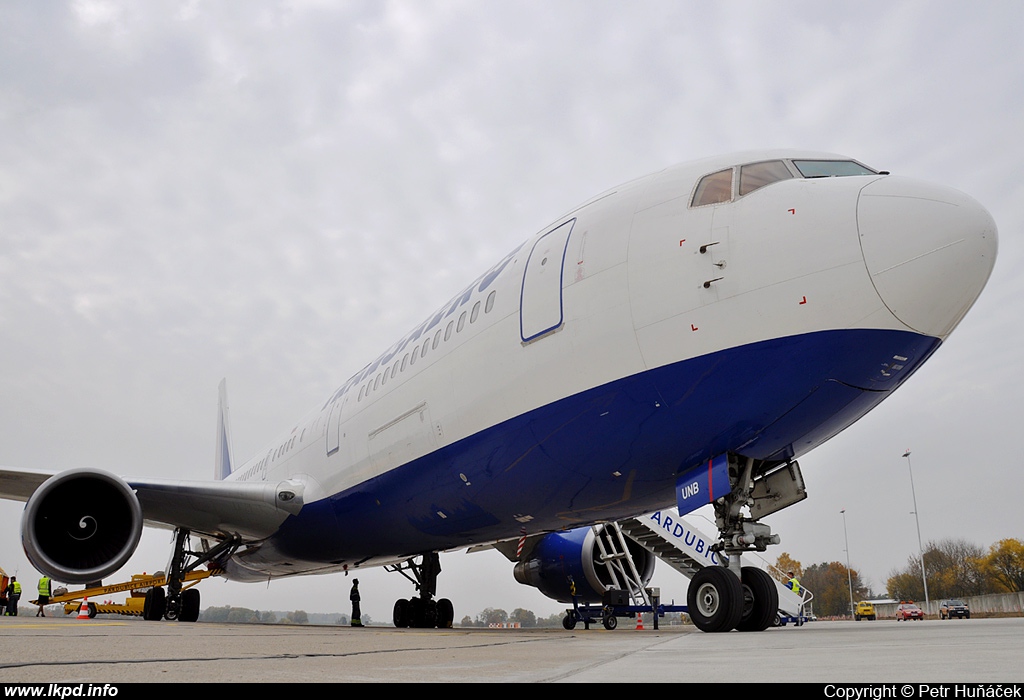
83,609
639,621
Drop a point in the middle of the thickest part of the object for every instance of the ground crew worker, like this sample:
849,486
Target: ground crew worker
354,597
44,595
794,585
13,595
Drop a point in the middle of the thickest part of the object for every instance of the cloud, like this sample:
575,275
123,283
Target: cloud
277,193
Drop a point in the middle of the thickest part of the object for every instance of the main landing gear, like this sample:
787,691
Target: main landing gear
734,596
179,603
423,610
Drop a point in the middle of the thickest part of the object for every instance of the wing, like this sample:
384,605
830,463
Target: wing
20,484
253,511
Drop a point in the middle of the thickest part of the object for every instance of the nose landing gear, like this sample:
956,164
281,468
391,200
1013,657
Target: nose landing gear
740,597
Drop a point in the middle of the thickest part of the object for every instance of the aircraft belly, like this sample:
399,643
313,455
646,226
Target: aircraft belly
611,451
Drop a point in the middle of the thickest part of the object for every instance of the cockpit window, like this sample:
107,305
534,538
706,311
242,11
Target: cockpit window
831,168
757,175
718,186
713,188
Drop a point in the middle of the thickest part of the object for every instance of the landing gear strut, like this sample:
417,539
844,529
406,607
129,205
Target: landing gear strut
180,603
743,597
423,610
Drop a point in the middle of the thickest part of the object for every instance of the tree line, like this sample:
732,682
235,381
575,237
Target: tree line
485,618
954,568
228,613
526,618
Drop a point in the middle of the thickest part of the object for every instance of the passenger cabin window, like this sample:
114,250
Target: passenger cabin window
757,175
713,188
831,168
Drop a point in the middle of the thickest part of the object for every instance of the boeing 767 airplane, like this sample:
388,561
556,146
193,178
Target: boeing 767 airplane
678,340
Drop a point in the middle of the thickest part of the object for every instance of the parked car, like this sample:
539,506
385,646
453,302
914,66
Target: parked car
909,611
954,608
864,611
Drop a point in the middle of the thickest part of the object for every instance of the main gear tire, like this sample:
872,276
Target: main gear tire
445,614
189,606
760,600
155,604
401,613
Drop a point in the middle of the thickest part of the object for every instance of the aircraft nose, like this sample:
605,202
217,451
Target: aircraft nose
929,250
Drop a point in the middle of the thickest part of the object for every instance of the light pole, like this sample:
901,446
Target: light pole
920,548
849,574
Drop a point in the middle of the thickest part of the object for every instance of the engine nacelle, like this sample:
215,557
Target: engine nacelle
81,525
576,554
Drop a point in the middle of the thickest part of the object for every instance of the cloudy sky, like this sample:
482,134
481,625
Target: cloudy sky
274,192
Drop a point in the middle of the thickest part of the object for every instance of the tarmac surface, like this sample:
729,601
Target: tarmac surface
125,650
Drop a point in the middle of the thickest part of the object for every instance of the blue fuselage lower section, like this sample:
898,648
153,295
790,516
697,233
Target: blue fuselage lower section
605,453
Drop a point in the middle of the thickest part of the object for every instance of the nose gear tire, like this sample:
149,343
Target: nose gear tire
715,599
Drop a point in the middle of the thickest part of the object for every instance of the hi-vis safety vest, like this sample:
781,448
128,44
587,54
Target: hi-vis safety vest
44,586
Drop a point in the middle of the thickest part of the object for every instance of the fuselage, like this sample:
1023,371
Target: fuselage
757,303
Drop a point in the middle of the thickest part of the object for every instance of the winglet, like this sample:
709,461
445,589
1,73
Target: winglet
223,464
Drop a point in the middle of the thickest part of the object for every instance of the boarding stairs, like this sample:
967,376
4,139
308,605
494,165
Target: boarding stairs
619,565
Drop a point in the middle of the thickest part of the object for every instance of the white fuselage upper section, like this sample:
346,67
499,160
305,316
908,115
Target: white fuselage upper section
639,278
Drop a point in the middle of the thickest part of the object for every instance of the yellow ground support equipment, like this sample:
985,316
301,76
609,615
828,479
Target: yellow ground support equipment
4,580
139,585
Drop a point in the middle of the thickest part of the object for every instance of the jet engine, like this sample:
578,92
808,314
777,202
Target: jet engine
81,525
579,557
